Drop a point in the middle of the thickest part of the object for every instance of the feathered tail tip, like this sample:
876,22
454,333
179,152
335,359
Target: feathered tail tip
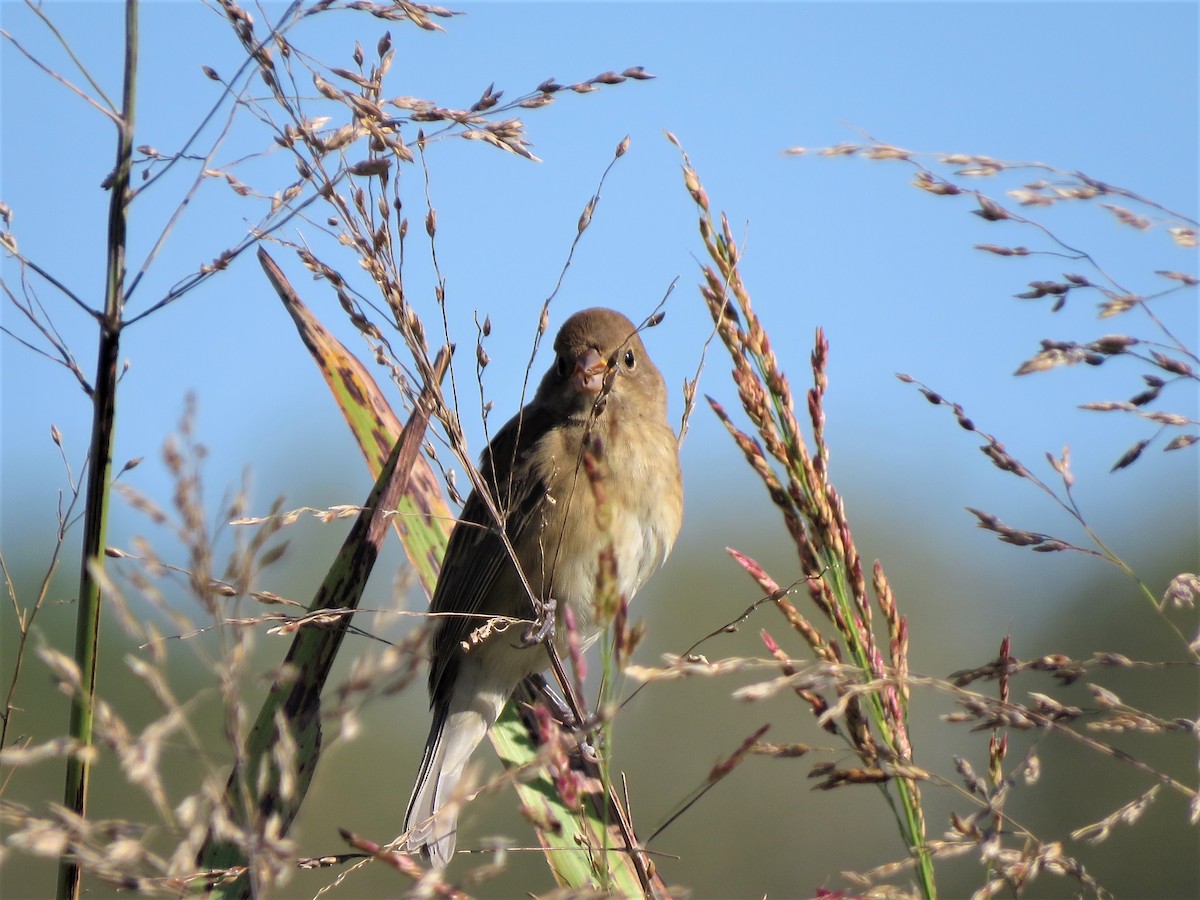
432,827
431,821
434,838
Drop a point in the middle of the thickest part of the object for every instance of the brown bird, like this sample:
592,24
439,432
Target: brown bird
602,388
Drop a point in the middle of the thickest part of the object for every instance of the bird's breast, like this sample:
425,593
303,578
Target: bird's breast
634,503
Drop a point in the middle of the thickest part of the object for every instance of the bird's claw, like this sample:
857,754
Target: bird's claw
541,630
582,731
588,752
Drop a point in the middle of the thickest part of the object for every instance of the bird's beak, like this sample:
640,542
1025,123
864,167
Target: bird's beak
588,377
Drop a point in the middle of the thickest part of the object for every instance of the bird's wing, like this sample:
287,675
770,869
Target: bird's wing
476,556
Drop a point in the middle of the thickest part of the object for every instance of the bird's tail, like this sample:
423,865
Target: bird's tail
431,822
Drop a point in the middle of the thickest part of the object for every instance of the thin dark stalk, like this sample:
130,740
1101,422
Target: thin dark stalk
99,477
37,10
57,77
196,278
66,291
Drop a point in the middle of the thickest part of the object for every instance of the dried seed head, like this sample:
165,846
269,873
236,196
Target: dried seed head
990,210
886,151
692,182
375,166
1126,217
1129,457
1184,237
1044,288
929,183
325,88
585,217
1172,365
1003,251
1117,304
1113,343
1183,591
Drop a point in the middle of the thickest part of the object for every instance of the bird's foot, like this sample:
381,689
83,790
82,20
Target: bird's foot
559,707
542,629
582,731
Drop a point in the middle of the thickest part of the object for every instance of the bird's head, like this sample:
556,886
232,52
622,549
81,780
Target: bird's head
600,360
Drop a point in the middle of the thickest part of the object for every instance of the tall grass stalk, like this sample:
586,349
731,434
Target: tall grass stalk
99,476
873,703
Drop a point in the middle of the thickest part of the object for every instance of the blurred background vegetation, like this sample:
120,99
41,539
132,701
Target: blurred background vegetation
763,830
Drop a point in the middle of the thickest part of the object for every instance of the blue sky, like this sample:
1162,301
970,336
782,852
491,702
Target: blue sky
845,244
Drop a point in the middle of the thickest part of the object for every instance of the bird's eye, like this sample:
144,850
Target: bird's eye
563,366
630,359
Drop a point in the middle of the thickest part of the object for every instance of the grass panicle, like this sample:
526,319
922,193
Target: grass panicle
875,722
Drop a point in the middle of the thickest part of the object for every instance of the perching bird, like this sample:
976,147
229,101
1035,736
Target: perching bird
602,385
